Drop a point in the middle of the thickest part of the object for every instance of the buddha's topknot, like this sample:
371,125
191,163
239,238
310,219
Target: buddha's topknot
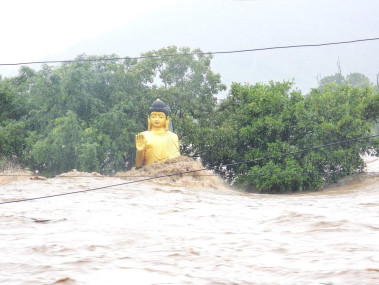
158,106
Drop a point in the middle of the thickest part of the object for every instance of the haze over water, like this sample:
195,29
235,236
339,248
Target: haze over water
159,234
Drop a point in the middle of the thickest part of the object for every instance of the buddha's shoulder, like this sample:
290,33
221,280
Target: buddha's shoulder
173,135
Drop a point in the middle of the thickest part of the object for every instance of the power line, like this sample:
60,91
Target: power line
300,151
192,53
185,172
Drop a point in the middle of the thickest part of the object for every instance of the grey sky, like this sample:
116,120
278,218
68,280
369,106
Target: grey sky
220,25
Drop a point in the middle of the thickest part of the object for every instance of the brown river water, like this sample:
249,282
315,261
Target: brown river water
167,233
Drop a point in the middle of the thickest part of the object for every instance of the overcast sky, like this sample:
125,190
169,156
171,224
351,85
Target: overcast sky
55,30
32,30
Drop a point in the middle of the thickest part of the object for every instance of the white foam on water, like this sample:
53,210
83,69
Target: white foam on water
177,234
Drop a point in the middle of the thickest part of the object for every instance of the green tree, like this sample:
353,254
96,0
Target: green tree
13,131
337,78
56,152
12,138
265,123
6,100
186,83
357,79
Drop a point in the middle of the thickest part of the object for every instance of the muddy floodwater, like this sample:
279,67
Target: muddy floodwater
164,234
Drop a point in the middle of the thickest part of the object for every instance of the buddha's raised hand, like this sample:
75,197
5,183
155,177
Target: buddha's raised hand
140,142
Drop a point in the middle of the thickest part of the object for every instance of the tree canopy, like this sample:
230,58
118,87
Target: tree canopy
273,121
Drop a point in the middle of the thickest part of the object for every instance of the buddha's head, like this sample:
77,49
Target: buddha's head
158,116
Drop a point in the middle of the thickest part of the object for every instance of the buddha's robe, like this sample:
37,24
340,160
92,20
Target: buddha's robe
160,146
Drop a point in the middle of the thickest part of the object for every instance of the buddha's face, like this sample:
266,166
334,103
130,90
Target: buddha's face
158,119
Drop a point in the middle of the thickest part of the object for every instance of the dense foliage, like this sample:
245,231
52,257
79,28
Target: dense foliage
85,114
272,120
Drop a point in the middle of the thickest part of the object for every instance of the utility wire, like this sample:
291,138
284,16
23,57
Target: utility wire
192,53
185,172
300,151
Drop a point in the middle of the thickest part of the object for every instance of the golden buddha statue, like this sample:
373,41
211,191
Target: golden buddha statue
157,143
